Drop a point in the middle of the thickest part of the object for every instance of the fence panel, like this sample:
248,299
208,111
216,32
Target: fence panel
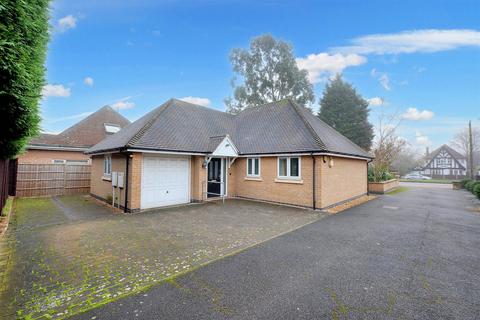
35,180
4,164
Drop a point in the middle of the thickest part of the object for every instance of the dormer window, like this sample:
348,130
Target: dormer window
111,128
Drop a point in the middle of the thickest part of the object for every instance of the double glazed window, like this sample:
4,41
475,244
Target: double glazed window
289,168
107,165
253,167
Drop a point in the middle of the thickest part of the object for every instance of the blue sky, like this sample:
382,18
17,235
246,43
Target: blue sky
421,58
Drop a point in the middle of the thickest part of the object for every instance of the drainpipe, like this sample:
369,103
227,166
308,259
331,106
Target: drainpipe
368,191
127,158
314,200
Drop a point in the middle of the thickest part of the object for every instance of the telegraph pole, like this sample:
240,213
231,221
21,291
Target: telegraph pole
470,148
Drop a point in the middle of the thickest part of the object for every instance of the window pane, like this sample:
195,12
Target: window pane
256,166
294,167
282,167
249,166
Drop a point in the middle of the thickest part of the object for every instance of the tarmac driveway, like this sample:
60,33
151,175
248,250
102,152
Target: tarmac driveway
412,255
63,255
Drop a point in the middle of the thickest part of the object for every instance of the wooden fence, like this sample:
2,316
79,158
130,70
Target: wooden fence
35,180
7,179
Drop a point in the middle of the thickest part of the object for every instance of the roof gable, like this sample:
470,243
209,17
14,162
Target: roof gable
225,148
86,132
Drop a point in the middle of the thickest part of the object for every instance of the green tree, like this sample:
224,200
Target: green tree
269,73
346,111
23,43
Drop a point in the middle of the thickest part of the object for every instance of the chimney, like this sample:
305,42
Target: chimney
427,151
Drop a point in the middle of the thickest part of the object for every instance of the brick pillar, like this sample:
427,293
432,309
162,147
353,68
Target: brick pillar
135,181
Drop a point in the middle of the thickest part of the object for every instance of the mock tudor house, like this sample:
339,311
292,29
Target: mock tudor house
69,146
445,163
180,153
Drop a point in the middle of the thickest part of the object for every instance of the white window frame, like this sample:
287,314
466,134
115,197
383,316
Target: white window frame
253,168
288,176
107,164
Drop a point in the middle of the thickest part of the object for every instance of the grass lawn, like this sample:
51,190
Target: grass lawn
428,181
398,190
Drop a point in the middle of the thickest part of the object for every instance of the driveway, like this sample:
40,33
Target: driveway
63,255
412,255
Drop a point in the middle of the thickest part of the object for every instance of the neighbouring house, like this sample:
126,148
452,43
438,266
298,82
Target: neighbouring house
69,146
445,163
180,153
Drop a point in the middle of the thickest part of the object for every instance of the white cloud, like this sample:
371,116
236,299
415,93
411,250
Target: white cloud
123,103
422,140
415,114
67,22
72,117
197,100
426,40
385,81
55,90
376,101
88,81
383,78
321,64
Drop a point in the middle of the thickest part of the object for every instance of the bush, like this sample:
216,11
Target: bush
469,185
379,176
476,190
23,45
464,182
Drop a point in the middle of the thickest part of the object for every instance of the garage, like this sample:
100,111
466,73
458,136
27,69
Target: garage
165,181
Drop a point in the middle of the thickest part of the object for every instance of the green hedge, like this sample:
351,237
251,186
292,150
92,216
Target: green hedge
472,186
476,190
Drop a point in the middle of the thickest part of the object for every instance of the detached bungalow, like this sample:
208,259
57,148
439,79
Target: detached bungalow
181,153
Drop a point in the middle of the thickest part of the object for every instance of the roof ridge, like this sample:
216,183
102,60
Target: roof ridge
201,107
149,123
105,107
318,141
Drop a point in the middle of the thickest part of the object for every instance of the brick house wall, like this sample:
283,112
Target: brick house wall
269,188
346,179
47,156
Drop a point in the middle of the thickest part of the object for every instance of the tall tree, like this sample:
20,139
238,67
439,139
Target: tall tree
346,111
269,73
23,43
461,143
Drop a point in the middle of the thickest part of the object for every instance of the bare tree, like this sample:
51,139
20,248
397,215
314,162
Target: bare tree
407,160
461,142
387,145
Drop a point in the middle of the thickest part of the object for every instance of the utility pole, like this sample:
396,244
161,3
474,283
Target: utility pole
470,148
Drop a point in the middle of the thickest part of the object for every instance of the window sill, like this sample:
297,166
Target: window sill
286,180
107,178
253,179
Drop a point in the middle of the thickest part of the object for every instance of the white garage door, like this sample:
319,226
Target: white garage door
165,181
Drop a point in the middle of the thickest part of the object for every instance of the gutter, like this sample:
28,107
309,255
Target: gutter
127,160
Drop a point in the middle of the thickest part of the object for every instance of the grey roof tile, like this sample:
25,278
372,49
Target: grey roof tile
277,127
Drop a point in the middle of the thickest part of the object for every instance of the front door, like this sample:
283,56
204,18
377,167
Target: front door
215,178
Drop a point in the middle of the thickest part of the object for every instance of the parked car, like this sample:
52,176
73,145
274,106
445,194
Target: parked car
416,176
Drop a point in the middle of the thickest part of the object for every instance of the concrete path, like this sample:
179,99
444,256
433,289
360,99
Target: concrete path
413,255
426,185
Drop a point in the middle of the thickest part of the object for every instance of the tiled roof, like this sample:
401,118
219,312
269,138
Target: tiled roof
85,133
277,127
457,155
